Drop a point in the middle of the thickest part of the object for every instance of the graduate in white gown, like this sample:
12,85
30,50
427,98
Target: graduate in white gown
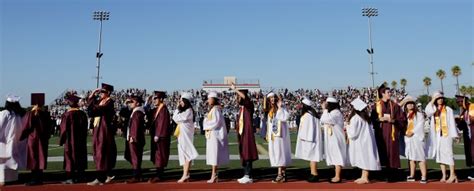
309,144
335,146
442,132
12,151
363,151
184,118
217,144
277,135
415,150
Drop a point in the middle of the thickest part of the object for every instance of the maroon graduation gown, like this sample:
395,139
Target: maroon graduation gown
74,138
37,129
103,140
389,149
247,146
159,126
134,151
468,134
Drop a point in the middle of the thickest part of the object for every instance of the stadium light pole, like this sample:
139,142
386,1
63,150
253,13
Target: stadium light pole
100,16
370,12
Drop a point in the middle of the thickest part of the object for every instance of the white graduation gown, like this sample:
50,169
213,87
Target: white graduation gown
441,148
309,144
186,149
335,147
415,147
12,152
363,151
217,144
279,144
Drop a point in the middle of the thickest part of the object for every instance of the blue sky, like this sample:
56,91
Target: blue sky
49,46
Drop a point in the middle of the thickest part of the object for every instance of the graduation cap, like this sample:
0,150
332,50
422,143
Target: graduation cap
73,98
159,94
244,91
37,99
107,87
382,89
135,98
462,98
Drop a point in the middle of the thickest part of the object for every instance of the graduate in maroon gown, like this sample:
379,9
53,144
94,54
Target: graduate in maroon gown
37,129
465,123
388,120
102,111
245,135
135,137
160,133
73,136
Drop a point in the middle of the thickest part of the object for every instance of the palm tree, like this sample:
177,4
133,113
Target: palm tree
385,83
464,90
394,84
427,83
403,82
456,70
441,75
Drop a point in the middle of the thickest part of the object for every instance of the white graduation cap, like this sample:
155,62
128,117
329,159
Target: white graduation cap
187,95
307,102
271,94
358,104
331,100
13,98
212,94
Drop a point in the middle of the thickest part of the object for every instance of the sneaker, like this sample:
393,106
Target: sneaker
68,181
423,181
410,179
109,179
471,178
96,182
245,180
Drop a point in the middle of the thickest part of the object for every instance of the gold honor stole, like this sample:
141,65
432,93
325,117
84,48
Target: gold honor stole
410,127
471,111
177,130
241,120
209,117
380,112
97,119
441,122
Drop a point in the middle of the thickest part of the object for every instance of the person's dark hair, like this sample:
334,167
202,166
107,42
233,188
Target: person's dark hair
333,106
187,105
415,109
362,114
436,101
310,110
15,107
216,101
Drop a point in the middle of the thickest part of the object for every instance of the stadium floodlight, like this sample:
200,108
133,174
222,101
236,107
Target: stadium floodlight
370,12
100,16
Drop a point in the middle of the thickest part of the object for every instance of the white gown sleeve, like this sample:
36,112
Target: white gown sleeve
214,122
282,115
183,116
354,128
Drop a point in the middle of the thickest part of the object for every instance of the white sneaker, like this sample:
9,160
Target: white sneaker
245,180
109,179
96,182
470,178
240,179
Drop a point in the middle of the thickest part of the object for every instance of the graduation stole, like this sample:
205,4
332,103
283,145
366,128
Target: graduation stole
441,122
378,108
97,119
411,125
209,117
241,120
276,125
158,111
177,131
73,109
471,112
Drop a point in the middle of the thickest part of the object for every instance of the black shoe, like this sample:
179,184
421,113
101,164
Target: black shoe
313,178
337,182
279,179
33,183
